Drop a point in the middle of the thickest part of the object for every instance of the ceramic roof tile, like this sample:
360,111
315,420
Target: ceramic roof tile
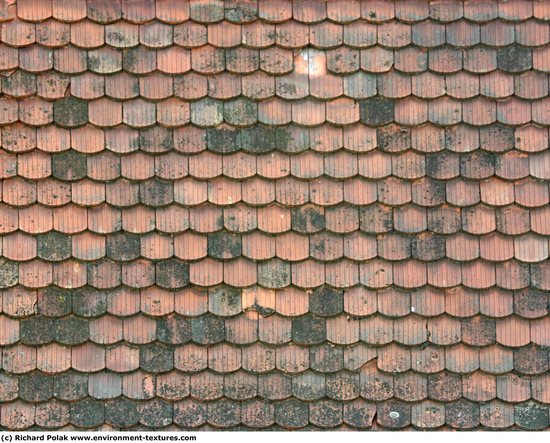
531,360
246,175
240,386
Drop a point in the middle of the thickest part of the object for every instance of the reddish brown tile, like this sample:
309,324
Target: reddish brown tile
512,388
512,331
411,274
461,359
19,247
206,273
497,84
428,415
410,387
240,272
34,164
531,193
122,359
224,192
410,330
292,359
411,60
88,358
292,302
513,275
375,385
343,219
540,388
393,302
444,330
18,138
376,274
360,192
308,274
104,112
35,219
541,59
428,85
191,358
17,415
344,274
139,329
428,359
539,331
35,112
242,330
224,358
52,414
394,358
139,385
357,355
460,302
428,301
292,246
393,191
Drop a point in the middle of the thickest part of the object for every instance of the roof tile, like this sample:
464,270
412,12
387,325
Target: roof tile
462,414
401,417
428,359
326,413
495,359
375,385
428,415
53,33
531,360
539,386
444,386
36,59
481,59
531,416
479,206
309,386
19,84
274,330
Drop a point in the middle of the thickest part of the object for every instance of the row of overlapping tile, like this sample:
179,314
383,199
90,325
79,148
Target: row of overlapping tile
362,341
413,329
159,357
304,11
331,167
245,49
112,378
471,95
298,141
375,273
377,218
462,180
191,414
207,112
292,247
320,191
210,60
429,33
308,383
223,301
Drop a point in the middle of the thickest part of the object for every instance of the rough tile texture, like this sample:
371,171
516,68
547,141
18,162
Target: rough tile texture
274,214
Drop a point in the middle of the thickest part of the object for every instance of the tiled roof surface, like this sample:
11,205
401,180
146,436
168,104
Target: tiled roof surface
274,214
